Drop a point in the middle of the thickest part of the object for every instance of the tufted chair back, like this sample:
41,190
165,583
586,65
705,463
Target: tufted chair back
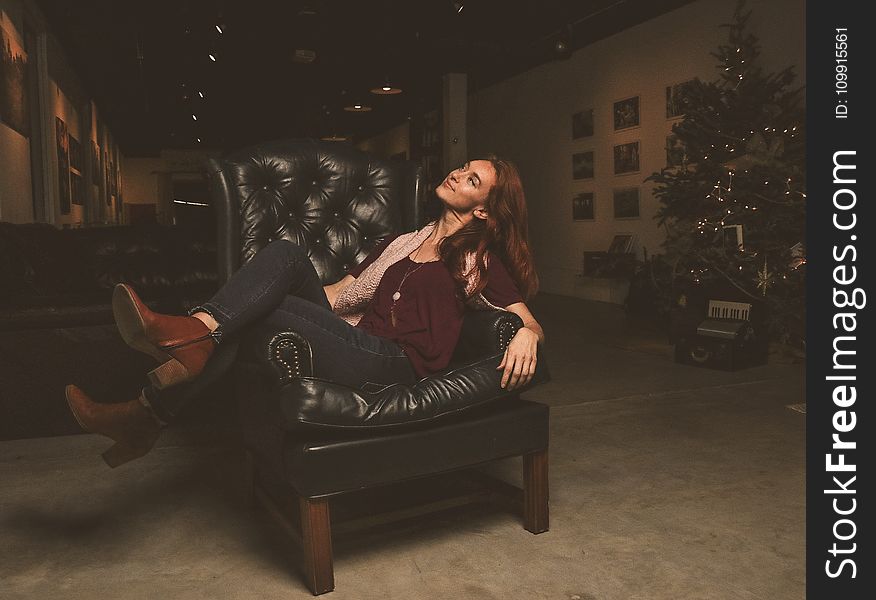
335,200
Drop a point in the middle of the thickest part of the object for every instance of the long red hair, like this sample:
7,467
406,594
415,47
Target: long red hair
504,232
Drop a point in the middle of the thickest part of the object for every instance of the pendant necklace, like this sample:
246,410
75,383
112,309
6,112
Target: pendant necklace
408,272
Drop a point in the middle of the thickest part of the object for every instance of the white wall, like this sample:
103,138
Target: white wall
528,119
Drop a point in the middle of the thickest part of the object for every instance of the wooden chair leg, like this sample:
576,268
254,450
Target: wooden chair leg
247,484
316,543
535,491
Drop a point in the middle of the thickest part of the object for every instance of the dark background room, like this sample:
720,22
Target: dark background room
661,147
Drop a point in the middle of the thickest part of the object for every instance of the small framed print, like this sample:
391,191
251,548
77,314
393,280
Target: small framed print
626,113
676,99
582,124
626,203
582,207
621,243
676,151
582,165
626,158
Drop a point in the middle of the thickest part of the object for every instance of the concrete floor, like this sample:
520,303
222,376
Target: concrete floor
667,482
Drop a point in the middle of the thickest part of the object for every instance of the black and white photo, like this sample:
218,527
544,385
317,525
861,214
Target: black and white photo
582,207
626,113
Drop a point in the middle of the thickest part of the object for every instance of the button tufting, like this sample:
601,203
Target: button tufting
337,214
314,182
264,187
361,187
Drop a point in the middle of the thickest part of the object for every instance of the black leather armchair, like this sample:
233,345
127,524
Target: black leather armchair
316,438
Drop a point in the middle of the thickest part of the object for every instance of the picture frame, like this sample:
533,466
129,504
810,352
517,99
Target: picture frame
63,149
676,99
583,207
676,152
733,238
582,165
582,124
621,243
106,184
95,163
77,189
626,203
626,158
626,113
14,96
75,155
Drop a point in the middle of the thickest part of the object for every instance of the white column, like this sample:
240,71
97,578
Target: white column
455,104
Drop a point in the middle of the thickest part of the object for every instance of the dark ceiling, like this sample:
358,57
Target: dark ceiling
146,62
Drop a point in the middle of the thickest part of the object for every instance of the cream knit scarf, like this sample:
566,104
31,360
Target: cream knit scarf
353,300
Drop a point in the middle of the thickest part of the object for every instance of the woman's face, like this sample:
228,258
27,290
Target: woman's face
465,189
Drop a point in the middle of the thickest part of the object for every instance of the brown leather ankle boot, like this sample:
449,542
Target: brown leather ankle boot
182,344
132,425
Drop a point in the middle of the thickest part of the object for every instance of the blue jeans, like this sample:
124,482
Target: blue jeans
279,290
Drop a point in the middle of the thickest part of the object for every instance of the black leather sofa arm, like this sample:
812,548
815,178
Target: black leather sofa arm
471,380
485,332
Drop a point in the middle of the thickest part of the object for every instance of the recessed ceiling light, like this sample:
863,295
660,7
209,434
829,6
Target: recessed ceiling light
334,138
357,108
194,117
213,58
386,90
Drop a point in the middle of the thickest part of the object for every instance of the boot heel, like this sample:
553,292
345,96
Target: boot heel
118,454
130,323
170,373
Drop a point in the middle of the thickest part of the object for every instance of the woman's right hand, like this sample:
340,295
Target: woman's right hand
334,290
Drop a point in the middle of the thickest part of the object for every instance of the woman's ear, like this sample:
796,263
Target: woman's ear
480,213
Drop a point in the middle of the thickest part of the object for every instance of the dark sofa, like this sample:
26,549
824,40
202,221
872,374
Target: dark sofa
56,324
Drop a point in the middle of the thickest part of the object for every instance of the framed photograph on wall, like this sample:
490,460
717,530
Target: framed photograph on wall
95,163
582,124
77,189
676,151
676,99
106,185
582,207
626,203
622,243
626,113
582,165
14,102
75,155
626,158
63,147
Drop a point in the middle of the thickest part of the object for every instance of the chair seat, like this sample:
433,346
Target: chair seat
322,465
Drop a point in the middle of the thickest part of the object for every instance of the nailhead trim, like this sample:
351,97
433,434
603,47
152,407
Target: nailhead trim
292,369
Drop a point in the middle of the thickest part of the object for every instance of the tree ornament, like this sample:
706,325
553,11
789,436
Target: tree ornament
764,278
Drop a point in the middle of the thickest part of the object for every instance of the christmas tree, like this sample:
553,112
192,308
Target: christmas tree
734,208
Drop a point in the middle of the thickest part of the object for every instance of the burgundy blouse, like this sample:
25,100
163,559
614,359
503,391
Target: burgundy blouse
428,313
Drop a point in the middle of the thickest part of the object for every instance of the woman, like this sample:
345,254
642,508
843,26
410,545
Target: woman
394,318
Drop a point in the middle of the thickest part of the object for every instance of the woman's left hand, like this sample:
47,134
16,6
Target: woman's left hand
520,358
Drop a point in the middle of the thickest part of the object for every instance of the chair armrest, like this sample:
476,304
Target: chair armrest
485,332
472,380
